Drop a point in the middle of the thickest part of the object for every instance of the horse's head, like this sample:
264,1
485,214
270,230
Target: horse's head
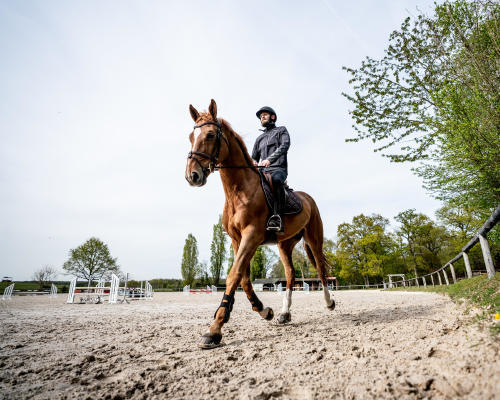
206,142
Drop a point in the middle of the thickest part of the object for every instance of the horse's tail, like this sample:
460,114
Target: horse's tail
323,256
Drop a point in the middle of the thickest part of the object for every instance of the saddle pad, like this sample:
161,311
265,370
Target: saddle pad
293,203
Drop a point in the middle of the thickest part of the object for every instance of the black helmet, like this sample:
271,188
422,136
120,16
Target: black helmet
266,109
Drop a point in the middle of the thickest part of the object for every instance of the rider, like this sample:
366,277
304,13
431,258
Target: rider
270,151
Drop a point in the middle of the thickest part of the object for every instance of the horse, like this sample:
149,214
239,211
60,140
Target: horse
216,146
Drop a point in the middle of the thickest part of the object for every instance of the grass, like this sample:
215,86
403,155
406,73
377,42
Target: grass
478,291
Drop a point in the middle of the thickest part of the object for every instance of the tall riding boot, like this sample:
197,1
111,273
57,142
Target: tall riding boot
275,222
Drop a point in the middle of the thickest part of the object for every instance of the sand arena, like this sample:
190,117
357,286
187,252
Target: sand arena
383,345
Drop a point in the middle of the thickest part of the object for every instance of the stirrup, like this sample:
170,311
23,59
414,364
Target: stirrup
274,219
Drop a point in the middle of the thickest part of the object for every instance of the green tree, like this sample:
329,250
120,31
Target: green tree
422,241
262,262
364,248
230,259
189,265
435,97
91,261
218,251
203,277
258,264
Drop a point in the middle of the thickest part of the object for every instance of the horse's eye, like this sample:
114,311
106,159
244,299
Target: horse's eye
210,135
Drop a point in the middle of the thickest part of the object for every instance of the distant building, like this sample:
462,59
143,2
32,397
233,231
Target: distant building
260,285
7,279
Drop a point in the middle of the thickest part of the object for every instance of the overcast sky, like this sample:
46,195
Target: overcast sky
94,119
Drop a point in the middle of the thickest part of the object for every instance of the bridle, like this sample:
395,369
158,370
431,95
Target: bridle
214,157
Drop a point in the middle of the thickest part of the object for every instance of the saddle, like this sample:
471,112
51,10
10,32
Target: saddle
293,203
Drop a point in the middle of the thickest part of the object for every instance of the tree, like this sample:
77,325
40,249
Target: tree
218,251
189,265
364,249
91,261
258,264
230,259
421,240
44,274
262,262
464,221
435,98
202,274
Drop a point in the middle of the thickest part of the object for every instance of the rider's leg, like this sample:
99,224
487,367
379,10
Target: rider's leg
276,221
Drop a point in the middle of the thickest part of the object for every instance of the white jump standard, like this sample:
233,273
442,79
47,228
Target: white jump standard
7,293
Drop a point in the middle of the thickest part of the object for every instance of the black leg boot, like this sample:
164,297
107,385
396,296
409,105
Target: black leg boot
275,222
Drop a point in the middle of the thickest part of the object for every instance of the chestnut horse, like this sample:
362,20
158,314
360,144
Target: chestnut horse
216,146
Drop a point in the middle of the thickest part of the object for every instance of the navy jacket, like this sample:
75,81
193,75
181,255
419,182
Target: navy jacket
273,145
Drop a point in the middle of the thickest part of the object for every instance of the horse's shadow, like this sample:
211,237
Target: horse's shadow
378,316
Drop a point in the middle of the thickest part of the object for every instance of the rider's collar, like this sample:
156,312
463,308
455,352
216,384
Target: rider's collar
268,128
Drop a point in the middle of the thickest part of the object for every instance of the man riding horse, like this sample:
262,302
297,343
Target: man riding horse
270,151
215,146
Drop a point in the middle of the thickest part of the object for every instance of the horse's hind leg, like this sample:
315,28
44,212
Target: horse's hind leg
313,243
285,249
265,312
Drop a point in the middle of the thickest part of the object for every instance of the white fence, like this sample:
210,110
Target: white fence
7,293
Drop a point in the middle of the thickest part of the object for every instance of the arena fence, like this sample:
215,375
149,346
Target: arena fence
480,236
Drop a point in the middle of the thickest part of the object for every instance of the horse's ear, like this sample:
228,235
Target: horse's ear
194,113
212,108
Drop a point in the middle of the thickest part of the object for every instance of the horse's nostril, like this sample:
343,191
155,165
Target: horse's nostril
194,177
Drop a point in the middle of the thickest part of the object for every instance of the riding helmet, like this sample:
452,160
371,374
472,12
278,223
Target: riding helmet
266,109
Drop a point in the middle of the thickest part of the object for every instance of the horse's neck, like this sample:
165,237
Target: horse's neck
239,183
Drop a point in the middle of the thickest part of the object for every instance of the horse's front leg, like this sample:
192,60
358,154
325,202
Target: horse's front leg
246,250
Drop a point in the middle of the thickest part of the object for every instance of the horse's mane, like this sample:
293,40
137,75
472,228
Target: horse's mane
239,140
236,136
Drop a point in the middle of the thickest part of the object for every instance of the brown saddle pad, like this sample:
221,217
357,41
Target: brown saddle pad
293,203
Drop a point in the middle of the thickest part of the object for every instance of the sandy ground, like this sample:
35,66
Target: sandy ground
374,345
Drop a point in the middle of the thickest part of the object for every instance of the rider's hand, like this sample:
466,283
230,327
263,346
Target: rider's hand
265,163
255,163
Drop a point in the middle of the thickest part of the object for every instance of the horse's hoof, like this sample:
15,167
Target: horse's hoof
210,341
283,318
267,313
331,307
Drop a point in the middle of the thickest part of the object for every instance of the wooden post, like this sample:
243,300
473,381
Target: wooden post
467,265
424,281
432,279
453,273
487,256
439,277
446,277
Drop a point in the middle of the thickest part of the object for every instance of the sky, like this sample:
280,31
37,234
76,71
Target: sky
94,119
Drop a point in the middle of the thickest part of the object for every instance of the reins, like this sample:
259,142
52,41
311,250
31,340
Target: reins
214,157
